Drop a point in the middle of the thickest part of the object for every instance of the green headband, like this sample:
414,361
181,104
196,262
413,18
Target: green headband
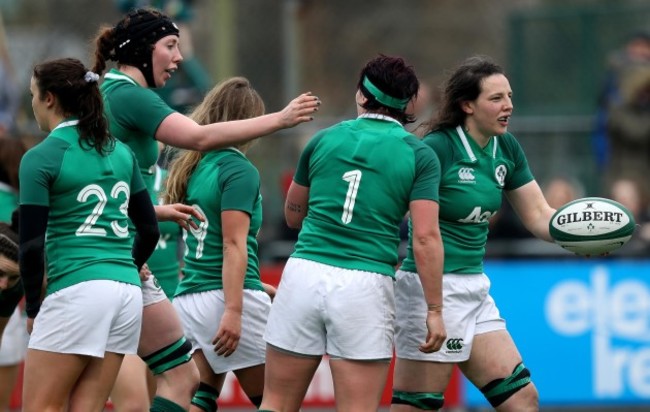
382,97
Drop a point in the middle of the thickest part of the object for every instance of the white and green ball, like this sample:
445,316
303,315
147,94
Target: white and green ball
592,226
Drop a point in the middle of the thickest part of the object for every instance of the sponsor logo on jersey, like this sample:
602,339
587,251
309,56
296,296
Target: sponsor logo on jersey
454,345
478,216
466,175
500,174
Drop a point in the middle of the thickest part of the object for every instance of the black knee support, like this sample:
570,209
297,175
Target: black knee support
169,357
205,398
499,390
428,401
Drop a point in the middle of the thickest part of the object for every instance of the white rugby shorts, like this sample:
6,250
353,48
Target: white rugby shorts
200,315
90,318
321,309
152,293
468,310
14,339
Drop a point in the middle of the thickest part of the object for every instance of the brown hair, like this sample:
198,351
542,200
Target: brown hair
464,84
232,99
392,76
8,242
77,94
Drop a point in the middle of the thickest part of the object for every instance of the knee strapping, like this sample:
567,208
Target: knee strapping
205,398
499,390
169,357
428,401
165,405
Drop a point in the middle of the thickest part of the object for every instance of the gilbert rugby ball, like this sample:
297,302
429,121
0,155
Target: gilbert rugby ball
592,226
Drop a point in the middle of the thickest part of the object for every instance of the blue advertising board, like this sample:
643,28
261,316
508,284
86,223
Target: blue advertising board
582,327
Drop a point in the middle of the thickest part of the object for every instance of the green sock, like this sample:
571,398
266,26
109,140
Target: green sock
165,405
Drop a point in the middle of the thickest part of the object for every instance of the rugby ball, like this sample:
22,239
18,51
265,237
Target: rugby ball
592,226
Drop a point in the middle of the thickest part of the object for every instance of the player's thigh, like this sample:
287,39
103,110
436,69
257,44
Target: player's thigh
49,378
8,375
205,371
161,327
421,376
494,356
95,383
251,380
131,390
286,379
358,385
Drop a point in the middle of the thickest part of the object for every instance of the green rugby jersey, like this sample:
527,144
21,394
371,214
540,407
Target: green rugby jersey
8,202
473,181
134,114
164,263
87,195
223,180
362,174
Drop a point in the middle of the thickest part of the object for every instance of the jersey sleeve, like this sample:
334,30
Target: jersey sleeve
38,169
440,143
521,173
427,174
302,171
240,186
140,109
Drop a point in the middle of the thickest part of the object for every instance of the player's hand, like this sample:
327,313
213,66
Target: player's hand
299,110
227,338
179,213
436,333
30,325
145,272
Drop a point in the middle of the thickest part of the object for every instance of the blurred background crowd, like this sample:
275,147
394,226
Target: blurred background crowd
580,71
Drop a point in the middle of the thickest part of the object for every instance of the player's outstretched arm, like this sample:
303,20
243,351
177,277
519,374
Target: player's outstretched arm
181,131
532,208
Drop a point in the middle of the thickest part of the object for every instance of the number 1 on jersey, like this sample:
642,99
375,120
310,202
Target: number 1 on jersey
353,177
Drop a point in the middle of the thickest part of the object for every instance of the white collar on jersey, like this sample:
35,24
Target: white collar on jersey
116,76
66,124
378,116
468,147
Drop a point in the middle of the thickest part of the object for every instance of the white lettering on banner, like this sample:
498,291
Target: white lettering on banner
618,317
